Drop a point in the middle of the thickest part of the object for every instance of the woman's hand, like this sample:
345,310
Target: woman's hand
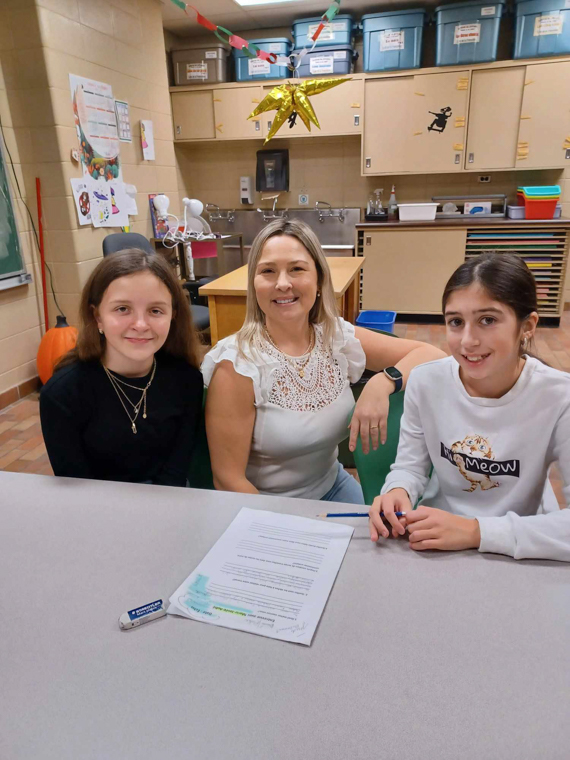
431,528
370,417
396,500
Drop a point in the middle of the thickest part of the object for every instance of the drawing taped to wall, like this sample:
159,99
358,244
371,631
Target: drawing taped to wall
441,118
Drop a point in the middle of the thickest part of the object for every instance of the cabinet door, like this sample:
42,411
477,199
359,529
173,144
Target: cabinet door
544,133
339,112
193,115
386,142
437,124
406,270
494,116
232,106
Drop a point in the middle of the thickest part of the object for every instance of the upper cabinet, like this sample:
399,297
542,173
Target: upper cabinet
415,124
232,106
544,133
494,115
193,115
339,111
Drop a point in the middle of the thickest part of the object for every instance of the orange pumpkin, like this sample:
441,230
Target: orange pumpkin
56,342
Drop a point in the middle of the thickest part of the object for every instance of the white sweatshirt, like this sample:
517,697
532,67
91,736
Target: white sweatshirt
490,457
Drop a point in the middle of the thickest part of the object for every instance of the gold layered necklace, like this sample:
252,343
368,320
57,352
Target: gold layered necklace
117,384
298,366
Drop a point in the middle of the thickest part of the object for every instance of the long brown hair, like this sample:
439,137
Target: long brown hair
182,340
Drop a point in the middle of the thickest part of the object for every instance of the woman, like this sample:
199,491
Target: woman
490,419
125,403
279,394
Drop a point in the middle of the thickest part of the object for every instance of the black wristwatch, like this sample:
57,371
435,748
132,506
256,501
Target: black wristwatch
395,376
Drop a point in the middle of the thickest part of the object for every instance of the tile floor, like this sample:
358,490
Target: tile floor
22,448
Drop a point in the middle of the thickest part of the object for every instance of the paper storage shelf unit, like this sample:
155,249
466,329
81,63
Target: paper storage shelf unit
544,249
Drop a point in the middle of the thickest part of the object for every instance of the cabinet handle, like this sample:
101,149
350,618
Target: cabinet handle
356,120
368,163
567,154
368,239
269,123
458,158
178,130
257,126
471,158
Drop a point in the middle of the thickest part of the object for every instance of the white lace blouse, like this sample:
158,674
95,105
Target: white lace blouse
300,417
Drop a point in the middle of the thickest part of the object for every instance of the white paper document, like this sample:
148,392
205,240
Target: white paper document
269,574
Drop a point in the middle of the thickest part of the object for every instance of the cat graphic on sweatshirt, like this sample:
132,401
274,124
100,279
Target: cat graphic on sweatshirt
474,445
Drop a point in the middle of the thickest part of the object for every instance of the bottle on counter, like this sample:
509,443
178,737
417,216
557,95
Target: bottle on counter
393,204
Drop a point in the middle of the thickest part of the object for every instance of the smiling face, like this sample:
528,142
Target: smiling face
484,337
135,315
285,280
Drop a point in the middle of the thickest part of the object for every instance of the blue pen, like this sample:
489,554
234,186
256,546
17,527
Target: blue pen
355,514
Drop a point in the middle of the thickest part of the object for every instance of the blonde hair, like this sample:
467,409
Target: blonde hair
323,312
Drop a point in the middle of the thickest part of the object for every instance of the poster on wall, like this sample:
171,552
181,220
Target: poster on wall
81,188
147,139
109,205
123,121
96,124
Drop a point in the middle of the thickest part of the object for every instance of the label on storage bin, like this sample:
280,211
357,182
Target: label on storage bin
490,10
551,24
329,30
466,33
391,40
274,47
210,54
321,64
256,66
339,55
196,71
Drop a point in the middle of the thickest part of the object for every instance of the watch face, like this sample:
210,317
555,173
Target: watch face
393,373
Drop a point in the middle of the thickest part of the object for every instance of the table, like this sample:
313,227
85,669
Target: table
227,295
432,656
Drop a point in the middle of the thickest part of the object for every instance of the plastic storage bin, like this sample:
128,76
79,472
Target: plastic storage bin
337,32
200,64
377,320
467,32
248,69
417,212
393,40
515,212
336,59
542,28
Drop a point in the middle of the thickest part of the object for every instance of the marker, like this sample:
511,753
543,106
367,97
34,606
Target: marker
355,514
140,615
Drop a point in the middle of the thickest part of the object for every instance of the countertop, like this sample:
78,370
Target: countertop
464,221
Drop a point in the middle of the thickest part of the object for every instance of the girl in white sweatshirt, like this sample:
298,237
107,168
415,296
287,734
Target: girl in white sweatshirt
490,419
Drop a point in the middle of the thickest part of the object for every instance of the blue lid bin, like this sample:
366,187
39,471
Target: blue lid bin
393,40
377,320
334,59
336,32
542,28
251,69
467,32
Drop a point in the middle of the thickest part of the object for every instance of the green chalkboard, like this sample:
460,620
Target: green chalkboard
11,261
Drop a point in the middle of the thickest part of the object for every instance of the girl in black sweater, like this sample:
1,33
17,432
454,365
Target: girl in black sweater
126,403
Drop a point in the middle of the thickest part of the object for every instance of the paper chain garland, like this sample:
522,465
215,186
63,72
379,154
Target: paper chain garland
251,50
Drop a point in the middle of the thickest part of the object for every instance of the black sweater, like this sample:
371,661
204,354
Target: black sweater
88,434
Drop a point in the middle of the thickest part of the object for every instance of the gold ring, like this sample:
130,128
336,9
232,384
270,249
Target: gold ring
373,427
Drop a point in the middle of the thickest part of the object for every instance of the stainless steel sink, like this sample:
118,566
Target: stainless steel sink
334,227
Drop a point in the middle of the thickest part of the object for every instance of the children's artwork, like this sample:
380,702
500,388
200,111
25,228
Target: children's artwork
159,226
147,139
96,124
80,188
123,121
109,205
440,122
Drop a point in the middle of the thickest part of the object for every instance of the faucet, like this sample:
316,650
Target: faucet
216,215
327,212
267,217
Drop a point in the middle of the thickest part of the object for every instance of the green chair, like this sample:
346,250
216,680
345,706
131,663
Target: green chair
200,473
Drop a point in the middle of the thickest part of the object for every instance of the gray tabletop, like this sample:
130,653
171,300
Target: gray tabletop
417,656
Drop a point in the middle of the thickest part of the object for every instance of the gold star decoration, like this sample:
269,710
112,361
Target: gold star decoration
290,99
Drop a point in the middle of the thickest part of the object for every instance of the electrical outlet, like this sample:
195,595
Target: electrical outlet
484,178
303,199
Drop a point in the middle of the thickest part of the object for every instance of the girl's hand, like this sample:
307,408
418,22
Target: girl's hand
431,528
396,500
370,415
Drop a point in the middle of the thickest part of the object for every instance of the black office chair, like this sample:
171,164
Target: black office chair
118,241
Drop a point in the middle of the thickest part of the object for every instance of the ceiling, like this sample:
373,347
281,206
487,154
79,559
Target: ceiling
232,16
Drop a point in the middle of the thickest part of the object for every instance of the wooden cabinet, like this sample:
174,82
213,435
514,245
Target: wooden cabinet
339,112
193,115
544,134
494,116
232,106
407,269
416,124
